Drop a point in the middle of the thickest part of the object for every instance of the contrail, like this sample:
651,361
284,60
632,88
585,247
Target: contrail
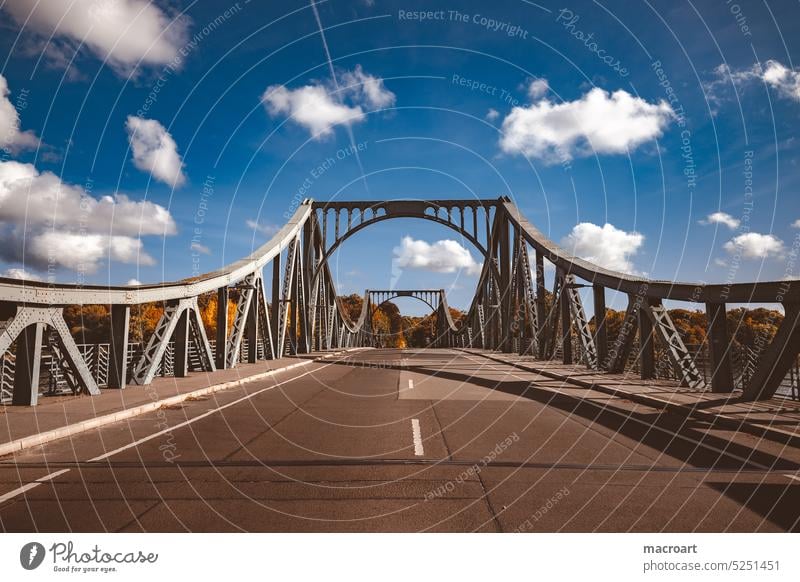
338,93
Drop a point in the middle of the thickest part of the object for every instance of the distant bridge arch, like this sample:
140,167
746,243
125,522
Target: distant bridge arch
436,299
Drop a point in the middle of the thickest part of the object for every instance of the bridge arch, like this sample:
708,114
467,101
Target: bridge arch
379,297
465,217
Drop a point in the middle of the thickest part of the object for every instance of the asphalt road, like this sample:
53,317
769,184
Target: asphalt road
390,440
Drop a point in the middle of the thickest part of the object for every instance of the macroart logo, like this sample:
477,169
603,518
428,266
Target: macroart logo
31,555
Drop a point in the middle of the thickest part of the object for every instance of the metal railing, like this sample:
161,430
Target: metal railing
52,381
744,360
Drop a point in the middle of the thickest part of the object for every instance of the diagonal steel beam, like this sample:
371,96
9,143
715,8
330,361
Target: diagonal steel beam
779,356
246,290
153,353
680,357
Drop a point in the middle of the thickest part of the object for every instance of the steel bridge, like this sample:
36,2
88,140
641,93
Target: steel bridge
436,299
511,311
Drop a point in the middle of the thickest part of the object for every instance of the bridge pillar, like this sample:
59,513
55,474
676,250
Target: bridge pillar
504,254
294,288
647,362
439,342
26,372
181,338
251,328
623,343
304,285
275,312
566,321
779,356
601,333
719,348
221,349
118,346
541,314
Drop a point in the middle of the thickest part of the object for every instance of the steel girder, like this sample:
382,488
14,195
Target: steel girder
777,358
526,317
548,334
182,314
287,316
37,293
621,348
252,320
247,293
650,320
573,296
28,324
682,361
755,292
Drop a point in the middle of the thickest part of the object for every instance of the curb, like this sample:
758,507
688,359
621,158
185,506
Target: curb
773,434
92,423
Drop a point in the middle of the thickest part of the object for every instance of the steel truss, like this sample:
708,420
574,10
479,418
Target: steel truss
511,309
26,328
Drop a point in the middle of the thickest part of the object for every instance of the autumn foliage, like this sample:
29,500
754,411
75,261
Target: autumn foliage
91,323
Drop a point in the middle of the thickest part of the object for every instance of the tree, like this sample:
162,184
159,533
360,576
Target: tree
208,311
88,324
352,305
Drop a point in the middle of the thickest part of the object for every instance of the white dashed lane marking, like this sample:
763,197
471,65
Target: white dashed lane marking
416,433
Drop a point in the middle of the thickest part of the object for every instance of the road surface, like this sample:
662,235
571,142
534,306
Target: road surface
404,440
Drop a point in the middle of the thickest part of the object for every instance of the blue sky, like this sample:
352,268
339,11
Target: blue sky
656,119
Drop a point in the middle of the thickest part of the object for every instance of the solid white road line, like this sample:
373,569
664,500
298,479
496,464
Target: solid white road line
46,478
417,434
31,485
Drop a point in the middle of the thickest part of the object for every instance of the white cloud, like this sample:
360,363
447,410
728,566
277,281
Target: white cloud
443,256
17,273
46,221
318,107
753,245
85,251
11,138
265,229
367,89
310,106
492,114
796,223
155,151
599,122
538,88
785,81
133,282
782,78
722,218
606,246
124,33
42,199
200,248
720,262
